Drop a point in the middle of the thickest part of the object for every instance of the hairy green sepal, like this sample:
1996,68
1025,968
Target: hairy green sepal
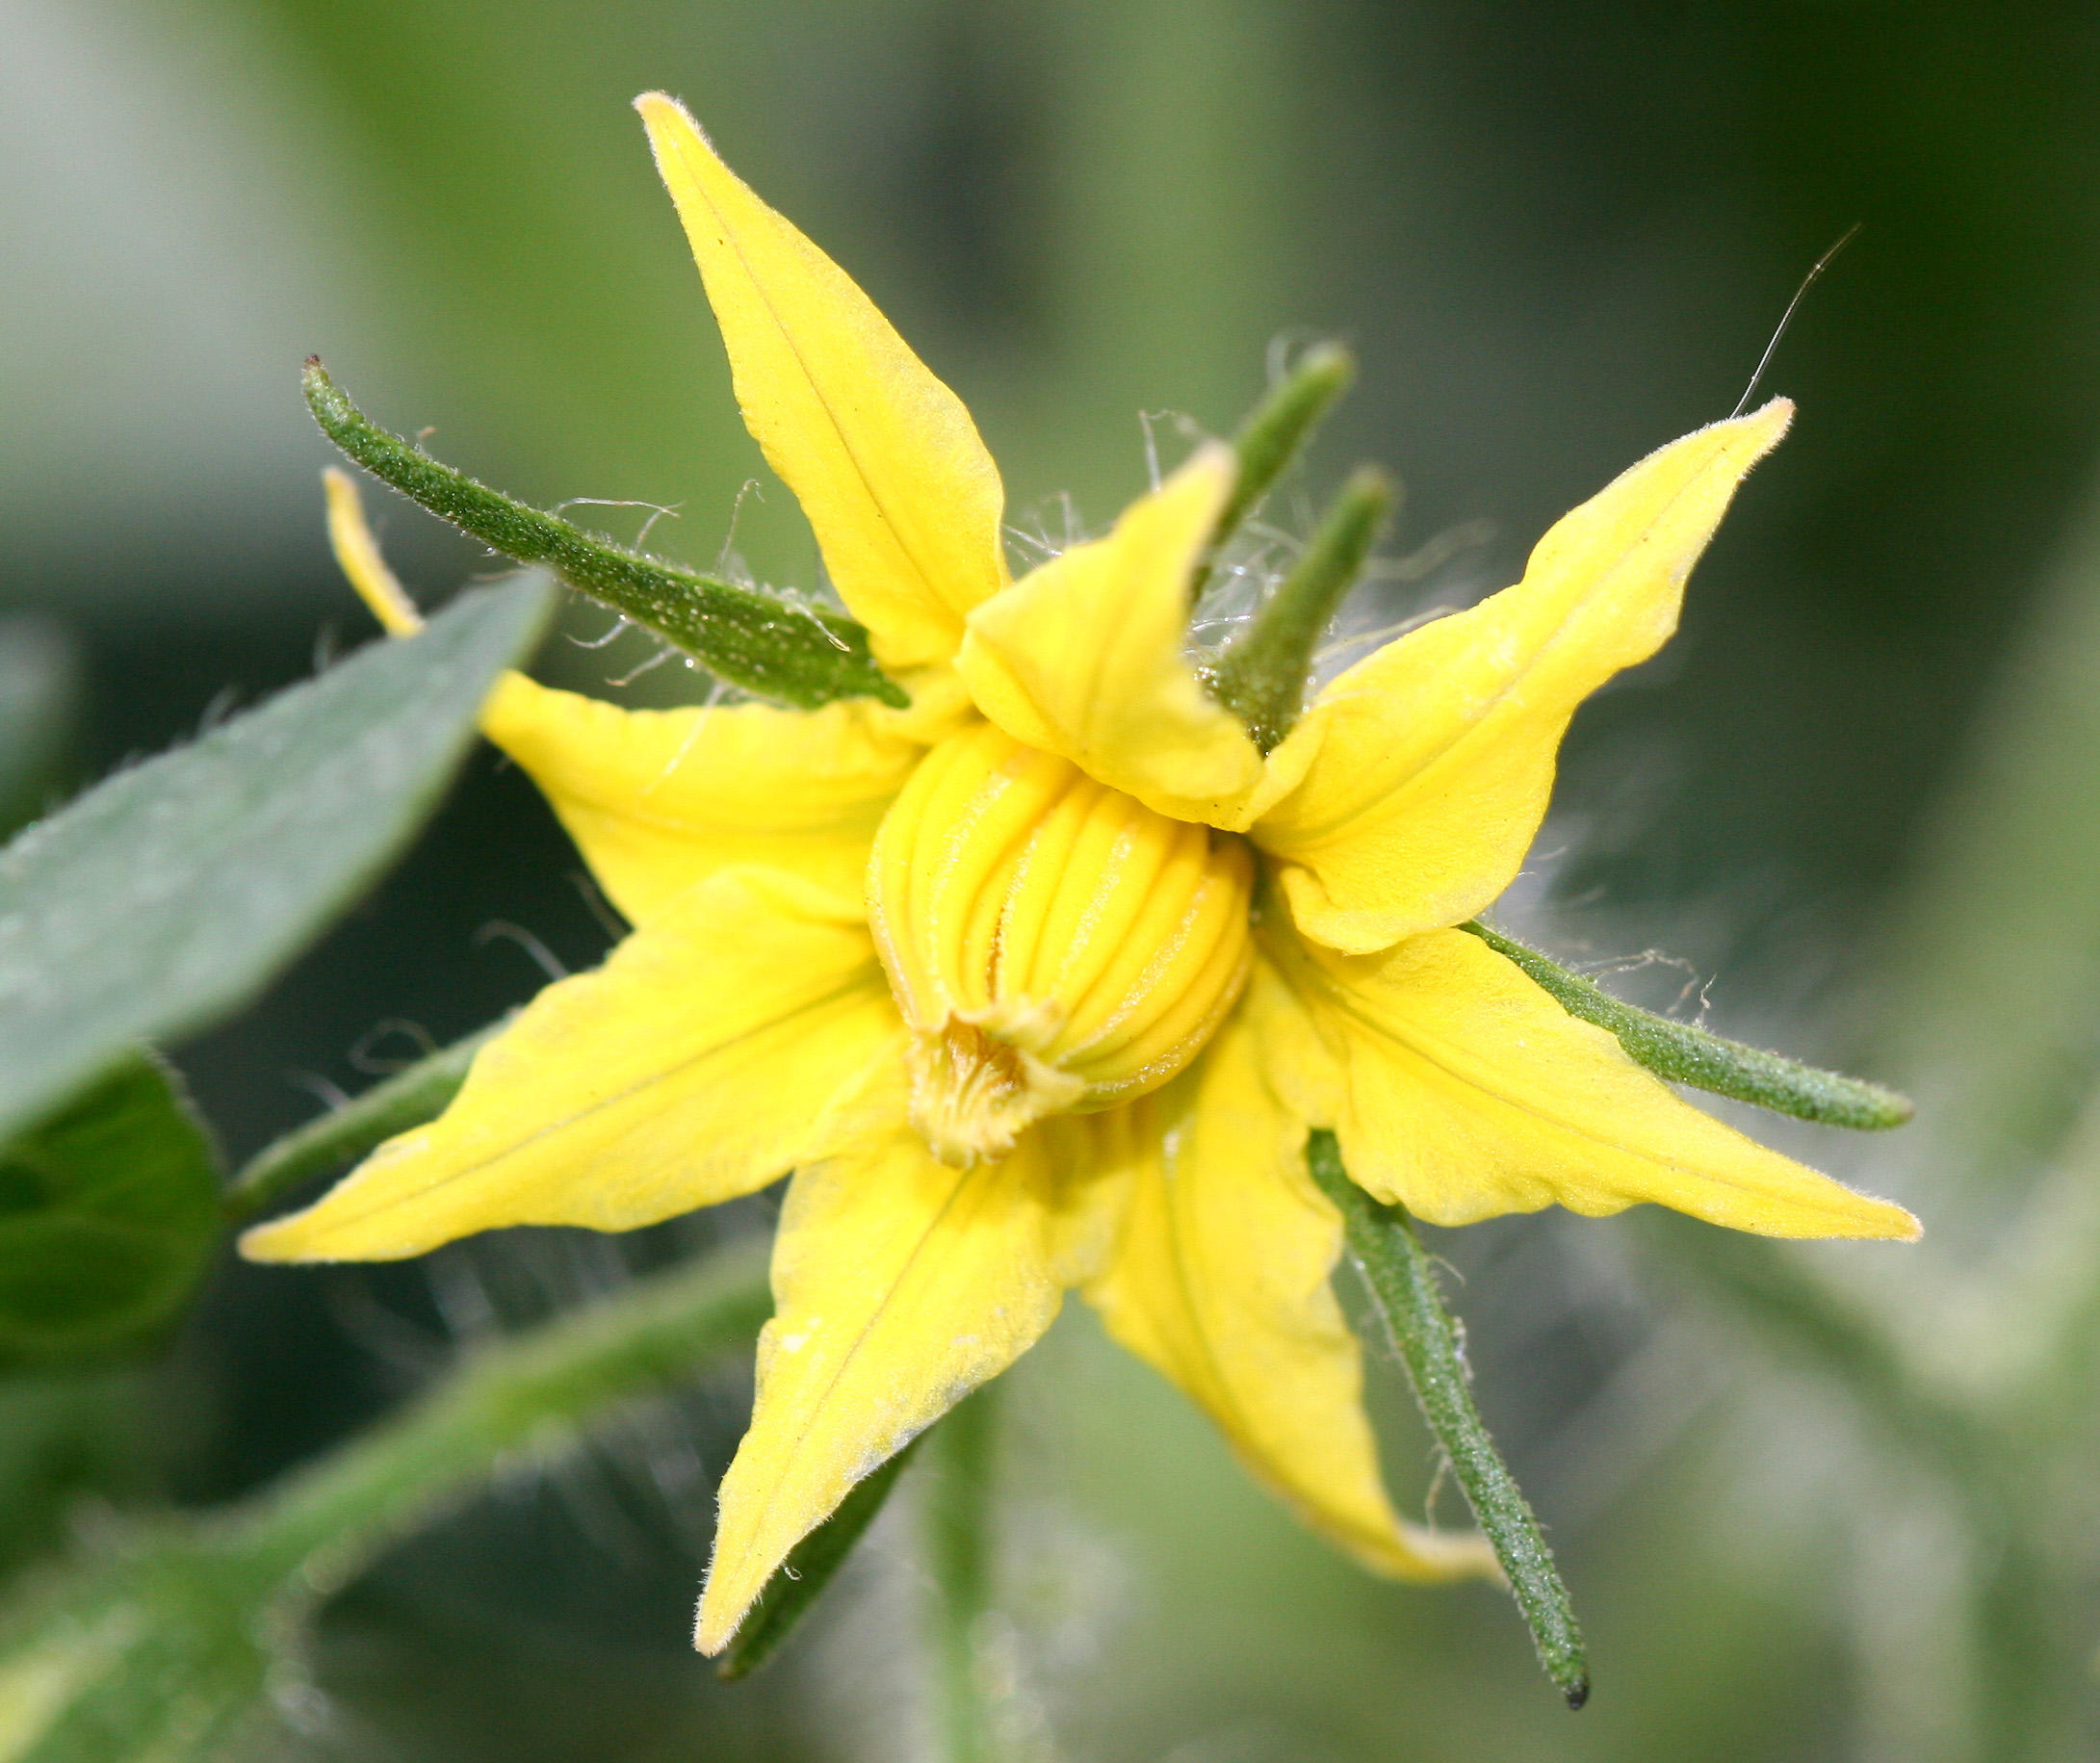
1684,1054
1402,1283
1273,435
1260,675
789,651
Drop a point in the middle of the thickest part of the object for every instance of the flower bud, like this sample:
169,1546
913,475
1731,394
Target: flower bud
1055,945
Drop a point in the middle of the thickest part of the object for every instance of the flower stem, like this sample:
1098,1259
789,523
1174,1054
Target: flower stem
1271,437
1403,1286
800,654
1260,676
1684,1054
407,1098
530,1394
958,1514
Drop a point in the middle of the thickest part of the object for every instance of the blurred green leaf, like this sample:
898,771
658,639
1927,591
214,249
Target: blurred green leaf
166,897
108,1213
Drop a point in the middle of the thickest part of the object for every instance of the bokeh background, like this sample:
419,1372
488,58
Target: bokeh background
1853,811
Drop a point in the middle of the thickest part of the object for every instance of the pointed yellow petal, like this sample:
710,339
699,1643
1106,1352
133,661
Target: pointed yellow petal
901,1284
1427,767
883,457
699,1063
658,800
357,554
1220,1280
1083,657
1467,1092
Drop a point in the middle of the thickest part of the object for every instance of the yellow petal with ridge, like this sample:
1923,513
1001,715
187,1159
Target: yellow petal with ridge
1466,1092
699,1064
900,1284
905,502
658,800
1083,657
1221,1282
1427,767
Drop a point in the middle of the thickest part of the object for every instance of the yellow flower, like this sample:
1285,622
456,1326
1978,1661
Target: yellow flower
1043,982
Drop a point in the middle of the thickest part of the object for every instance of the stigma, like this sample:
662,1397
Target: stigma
1054,945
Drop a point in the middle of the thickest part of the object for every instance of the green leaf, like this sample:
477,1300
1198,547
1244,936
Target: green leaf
109,1211
1685,1055
1402,1282
791,650
167,896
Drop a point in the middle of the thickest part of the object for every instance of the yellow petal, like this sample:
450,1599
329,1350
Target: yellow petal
1427,767
697,1063
658,800
1467,1092
1083,657
1220,1280
357,554
900,1285
883,457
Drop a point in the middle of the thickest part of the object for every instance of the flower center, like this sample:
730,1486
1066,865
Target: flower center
1055,945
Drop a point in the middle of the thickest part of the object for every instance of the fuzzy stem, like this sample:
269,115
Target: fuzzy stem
959,1508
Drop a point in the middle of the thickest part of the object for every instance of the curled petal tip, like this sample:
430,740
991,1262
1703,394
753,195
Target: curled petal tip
1776,412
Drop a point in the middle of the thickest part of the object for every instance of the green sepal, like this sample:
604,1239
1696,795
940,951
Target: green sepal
407,1098
1260,676
790,651
1273,435
1689,1055
1402,1282
803,1578
108,1214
